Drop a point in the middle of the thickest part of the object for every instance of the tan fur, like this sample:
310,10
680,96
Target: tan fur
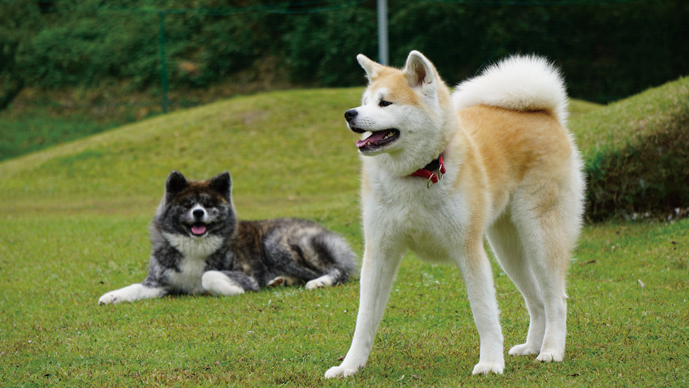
504,150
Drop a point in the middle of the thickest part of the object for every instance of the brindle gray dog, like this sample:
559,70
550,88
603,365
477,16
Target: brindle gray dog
199,246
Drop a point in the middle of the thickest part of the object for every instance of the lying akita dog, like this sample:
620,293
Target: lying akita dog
198,246
442,171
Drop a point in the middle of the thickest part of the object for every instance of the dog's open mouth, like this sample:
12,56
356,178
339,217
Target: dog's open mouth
198,229
377,139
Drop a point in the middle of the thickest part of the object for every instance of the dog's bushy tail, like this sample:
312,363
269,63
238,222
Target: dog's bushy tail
337,250
520,82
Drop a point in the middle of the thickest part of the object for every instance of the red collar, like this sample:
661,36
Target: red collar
427,172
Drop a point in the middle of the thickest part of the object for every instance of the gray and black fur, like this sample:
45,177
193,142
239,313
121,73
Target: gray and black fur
199,246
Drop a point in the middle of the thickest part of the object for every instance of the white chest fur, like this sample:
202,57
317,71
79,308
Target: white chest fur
430,222
195,251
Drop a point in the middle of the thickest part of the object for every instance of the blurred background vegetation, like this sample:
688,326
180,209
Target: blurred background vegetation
608,49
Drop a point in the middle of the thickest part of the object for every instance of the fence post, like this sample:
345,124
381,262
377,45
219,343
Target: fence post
163,66
383,32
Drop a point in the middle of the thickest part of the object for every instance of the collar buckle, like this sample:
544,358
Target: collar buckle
427,172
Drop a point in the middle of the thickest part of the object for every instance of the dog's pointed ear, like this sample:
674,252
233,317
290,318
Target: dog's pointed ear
175,183
371,68
420,71
222,183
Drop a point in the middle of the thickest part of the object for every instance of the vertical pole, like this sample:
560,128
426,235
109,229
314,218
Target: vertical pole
163,66
383,32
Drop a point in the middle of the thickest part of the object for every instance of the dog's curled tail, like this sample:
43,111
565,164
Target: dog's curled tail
520,82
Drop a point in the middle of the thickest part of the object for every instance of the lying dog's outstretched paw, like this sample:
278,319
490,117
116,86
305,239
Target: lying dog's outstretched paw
108,298
484,368
114,297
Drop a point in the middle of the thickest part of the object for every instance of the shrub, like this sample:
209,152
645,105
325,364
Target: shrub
637,154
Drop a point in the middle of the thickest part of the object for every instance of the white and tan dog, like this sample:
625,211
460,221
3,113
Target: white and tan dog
505,167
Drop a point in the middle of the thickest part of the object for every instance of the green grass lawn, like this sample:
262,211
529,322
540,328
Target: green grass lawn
74,225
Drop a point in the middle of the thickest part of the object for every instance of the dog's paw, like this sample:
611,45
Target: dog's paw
340,371
278,281
523,350
217,283
224,289
484,368
314,284
550,356
283,281
110,298
321,282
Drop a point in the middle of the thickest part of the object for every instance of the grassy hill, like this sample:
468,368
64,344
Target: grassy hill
74,226
637,154
283,149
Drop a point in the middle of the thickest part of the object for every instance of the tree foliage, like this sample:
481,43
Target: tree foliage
607,50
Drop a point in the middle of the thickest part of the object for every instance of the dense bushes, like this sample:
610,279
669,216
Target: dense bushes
637,155
607,50
649,176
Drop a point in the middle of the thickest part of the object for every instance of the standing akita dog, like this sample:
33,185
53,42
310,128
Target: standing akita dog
198,246
442,171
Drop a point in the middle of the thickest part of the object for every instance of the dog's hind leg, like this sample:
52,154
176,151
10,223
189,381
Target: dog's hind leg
549,262
548,238
505,242
333,277
378,271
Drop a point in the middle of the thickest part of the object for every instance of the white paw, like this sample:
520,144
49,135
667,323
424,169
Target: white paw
488,367
313,284
550,356
113,297
131,293
225,290
218,284
339,371
323,281
523,350
108,298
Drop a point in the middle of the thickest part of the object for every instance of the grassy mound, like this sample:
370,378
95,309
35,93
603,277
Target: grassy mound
637,154
289,153
283,149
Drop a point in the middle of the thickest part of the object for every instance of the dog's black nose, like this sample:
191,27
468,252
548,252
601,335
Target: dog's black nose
351,114
198,213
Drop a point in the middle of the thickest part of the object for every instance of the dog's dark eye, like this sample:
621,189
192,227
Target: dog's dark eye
384,103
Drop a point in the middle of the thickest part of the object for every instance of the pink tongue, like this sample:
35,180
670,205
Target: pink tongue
375,137
198,229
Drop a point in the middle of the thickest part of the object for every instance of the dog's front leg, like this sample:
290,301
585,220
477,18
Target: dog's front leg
228,283
478,277
132,293
378,271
